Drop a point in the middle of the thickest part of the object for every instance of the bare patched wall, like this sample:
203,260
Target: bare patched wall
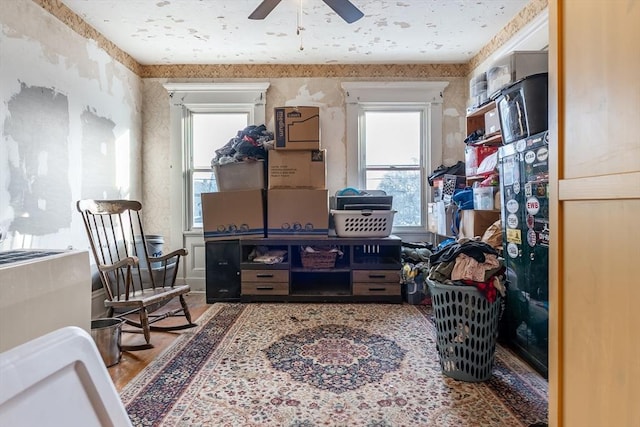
70,129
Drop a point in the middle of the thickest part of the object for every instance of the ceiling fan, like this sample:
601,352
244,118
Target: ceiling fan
344,8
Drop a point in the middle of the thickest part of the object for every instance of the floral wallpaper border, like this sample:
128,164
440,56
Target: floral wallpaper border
304,70
417,70
526,15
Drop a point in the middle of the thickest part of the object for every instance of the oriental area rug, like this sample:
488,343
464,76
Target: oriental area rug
324,365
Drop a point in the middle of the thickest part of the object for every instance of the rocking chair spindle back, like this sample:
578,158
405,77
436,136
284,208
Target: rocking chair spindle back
134,281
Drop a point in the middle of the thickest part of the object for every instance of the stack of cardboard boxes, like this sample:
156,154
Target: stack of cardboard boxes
295,203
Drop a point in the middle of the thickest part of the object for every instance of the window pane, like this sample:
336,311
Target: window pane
405,188
392,138
203,182
212,131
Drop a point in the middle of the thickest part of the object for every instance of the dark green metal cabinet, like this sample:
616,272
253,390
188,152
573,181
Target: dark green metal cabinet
524,185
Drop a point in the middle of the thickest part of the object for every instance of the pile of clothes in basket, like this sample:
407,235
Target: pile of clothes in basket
465,262
469,262
252,143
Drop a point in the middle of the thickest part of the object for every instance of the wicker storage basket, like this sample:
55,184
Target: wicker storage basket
318,259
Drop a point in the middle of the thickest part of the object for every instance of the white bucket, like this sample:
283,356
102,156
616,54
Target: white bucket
155,245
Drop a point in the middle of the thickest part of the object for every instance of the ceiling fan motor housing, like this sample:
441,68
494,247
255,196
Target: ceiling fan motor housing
344,8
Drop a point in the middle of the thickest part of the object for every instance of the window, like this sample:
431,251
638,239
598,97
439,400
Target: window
394,134
204,118
392,141
208,129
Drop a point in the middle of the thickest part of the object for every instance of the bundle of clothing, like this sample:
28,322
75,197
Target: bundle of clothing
415,261
416,255
249,143
469,262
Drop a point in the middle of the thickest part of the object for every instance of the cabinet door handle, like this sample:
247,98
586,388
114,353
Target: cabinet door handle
377,289
264,275
264,288
377,276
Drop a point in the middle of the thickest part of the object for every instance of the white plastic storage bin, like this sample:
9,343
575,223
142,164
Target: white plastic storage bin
363,223
473,83
514,67
483,198
236,176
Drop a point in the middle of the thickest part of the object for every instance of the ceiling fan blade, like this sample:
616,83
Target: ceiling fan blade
345,9
264,9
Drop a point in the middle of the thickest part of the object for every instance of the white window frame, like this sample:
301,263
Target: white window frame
190,168
200,97
361,96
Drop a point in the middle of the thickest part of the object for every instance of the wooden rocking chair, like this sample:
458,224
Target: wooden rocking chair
133,281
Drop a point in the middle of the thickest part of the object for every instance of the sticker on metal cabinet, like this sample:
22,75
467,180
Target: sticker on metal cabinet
516,187
529,157
532,238
514,236
543,235
528,190
530,221
512,206
521,145
512,221
533,205
542,154
512,250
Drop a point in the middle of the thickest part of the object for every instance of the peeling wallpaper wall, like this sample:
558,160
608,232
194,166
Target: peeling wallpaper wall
81,119
70,128
324,92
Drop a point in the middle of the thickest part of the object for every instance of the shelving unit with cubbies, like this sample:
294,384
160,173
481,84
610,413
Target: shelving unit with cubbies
367,270
487,145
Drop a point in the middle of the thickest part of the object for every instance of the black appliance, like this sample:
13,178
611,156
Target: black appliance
378,201
522,108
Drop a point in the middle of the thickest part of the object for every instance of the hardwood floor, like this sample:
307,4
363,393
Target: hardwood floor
132,362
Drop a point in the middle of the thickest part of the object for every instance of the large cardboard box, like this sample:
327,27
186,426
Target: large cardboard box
233,215
298,169
247,175
475,223
297,128
297,213
491,122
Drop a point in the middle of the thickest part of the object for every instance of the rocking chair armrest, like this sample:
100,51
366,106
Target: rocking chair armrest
177,252
125,262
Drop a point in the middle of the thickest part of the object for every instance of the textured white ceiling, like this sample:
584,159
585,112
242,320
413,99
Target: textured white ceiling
219,32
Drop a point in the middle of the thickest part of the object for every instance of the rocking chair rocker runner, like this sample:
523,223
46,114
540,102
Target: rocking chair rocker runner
119,245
